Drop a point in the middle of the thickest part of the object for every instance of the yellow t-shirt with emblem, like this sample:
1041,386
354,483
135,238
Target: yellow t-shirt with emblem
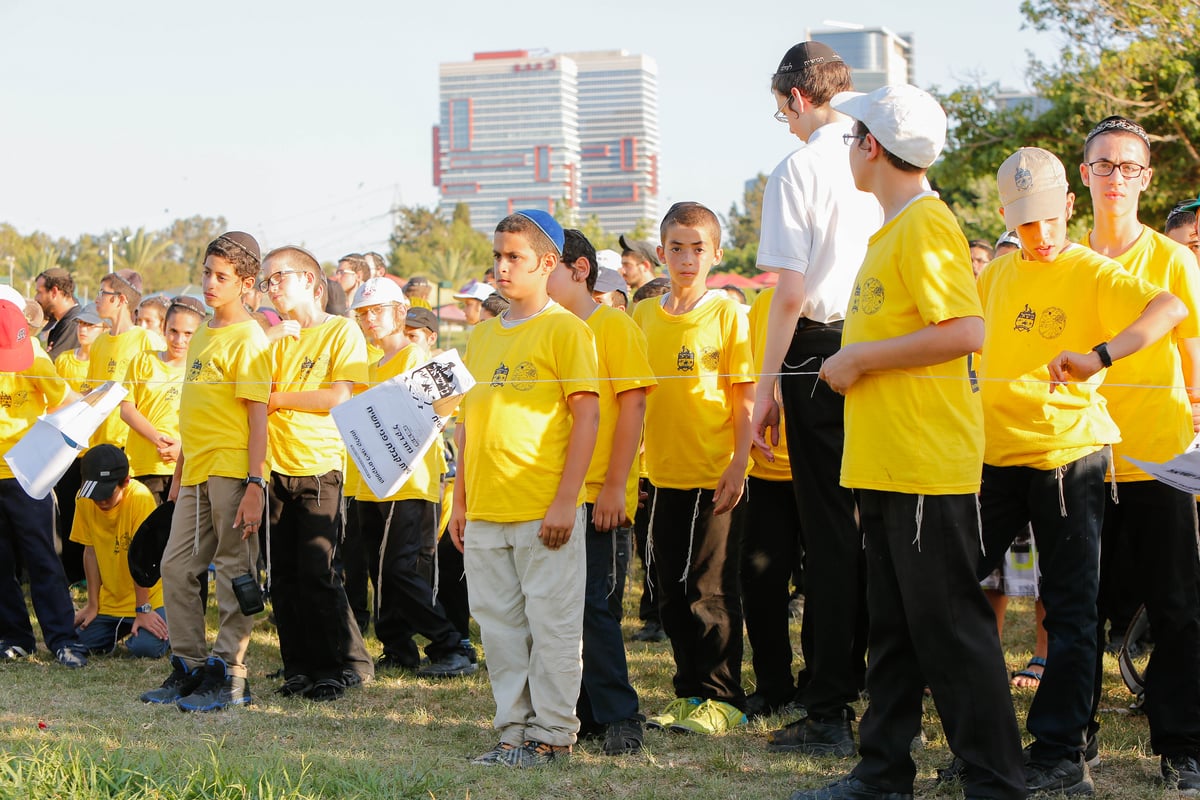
917,430
74,370
516,417
698,357
781,468
154,388
108,361
425,483
1032,312
24,396
110,533
308,442
1155,423
226,367
621,355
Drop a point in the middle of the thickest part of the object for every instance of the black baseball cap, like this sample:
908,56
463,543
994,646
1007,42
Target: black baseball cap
804,55
421,318
104,467
642,247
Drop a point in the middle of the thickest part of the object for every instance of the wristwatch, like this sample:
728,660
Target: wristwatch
1102,351
144,609
256,480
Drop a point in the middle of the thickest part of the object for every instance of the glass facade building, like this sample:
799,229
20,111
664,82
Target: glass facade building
876,56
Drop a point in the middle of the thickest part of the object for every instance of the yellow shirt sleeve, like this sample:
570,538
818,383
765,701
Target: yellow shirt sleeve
780,469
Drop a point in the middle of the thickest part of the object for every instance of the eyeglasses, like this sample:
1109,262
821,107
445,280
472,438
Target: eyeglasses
850,138
1129,169
779,115
106,293
337,273
374,311
276,279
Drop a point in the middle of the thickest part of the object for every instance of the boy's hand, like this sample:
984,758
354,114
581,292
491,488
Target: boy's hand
609,511
1068,366
150,622
85,615
765,418
168,448
458,526
841,370
289,327
558,523
729,489
250,511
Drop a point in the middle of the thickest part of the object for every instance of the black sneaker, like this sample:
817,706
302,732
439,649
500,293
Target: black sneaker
1068,776
13,652
758,705
499,756
389,662
813,737
1182,772
954,772
652,631
218,690
470,650
71,656
451,665
297,684
1091,751
623,737
326,690
849,788
180,682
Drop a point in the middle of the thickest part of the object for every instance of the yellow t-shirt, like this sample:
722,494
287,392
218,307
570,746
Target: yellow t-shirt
24,396
74,370
917,430
225,366
154,389
516,417
698,357
621,354
308,442
110,533
1156,424
419,302
109,361
781,468
1032,312
425,483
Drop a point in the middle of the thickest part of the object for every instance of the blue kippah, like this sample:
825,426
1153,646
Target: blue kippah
546,224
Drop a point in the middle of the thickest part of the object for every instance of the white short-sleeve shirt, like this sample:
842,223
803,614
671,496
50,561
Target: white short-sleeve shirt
814,221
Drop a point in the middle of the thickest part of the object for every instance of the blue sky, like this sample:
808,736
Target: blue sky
303,122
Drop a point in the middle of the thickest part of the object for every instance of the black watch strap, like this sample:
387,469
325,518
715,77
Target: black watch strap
255,479
1102,351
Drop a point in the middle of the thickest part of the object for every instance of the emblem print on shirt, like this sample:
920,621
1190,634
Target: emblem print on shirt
710,358
1053,321
1025,319
14,400
872,296
320,366
524,376
686,360
500,376
194,371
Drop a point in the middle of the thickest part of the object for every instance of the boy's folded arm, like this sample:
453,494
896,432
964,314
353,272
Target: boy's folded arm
314,399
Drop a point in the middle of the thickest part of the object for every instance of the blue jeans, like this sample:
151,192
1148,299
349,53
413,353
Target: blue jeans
103,633
606,695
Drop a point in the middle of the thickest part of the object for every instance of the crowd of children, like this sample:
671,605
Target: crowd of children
941,399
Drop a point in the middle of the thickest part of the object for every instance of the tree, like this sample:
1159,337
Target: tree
742,228
1136,59
423,243
189,239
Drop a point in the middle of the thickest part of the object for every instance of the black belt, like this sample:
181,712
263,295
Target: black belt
805,324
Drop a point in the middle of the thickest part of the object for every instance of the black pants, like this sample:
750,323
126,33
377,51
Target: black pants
697,557
770,549
931,625
605,695
160,487
648,605
71,553
27,528
1066,508
318,636
452,586
834,633
355,566
1164,569
406,532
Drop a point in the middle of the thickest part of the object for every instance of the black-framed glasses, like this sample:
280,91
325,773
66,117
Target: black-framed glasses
274,280
850,138
1129,169
106,293
779,115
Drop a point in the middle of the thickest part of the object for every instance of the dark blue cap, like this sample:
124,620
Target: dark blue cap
546,224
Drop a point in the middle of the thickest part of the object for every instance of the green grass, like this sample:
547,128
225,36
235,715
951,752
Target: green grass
83,734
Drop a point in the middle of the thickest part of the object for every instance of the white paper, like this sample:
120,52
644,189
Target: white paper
44,454
389,428
1181,472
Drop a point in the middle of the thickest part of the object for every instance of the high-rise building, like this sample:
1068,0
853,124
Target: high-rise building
876,56
517,130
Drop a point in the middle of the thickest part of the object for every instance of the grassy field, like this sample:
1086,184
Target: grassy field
84,734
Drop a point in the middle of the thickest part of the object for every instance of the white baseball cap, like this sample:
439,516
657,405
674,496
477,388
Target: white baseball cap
378,291
1033,186
475,290
906,120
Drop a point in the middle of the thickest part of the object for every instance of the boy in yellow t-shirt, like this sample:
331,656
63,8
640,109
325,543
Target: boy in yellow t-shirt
1056,314
525,435
312,371
115,348
72,365
697,457
608,704
913,453
1149,536
400,531
218,486
109,511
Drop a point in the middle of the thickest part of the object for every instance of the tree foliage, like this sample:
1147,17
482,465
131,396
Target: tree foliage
741,229
1135,58
442,250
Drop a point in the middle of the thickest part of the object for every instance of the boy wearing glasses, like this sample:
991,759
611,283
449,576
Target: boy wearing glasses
115,348
318,365
815,226
1149,532
218,485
